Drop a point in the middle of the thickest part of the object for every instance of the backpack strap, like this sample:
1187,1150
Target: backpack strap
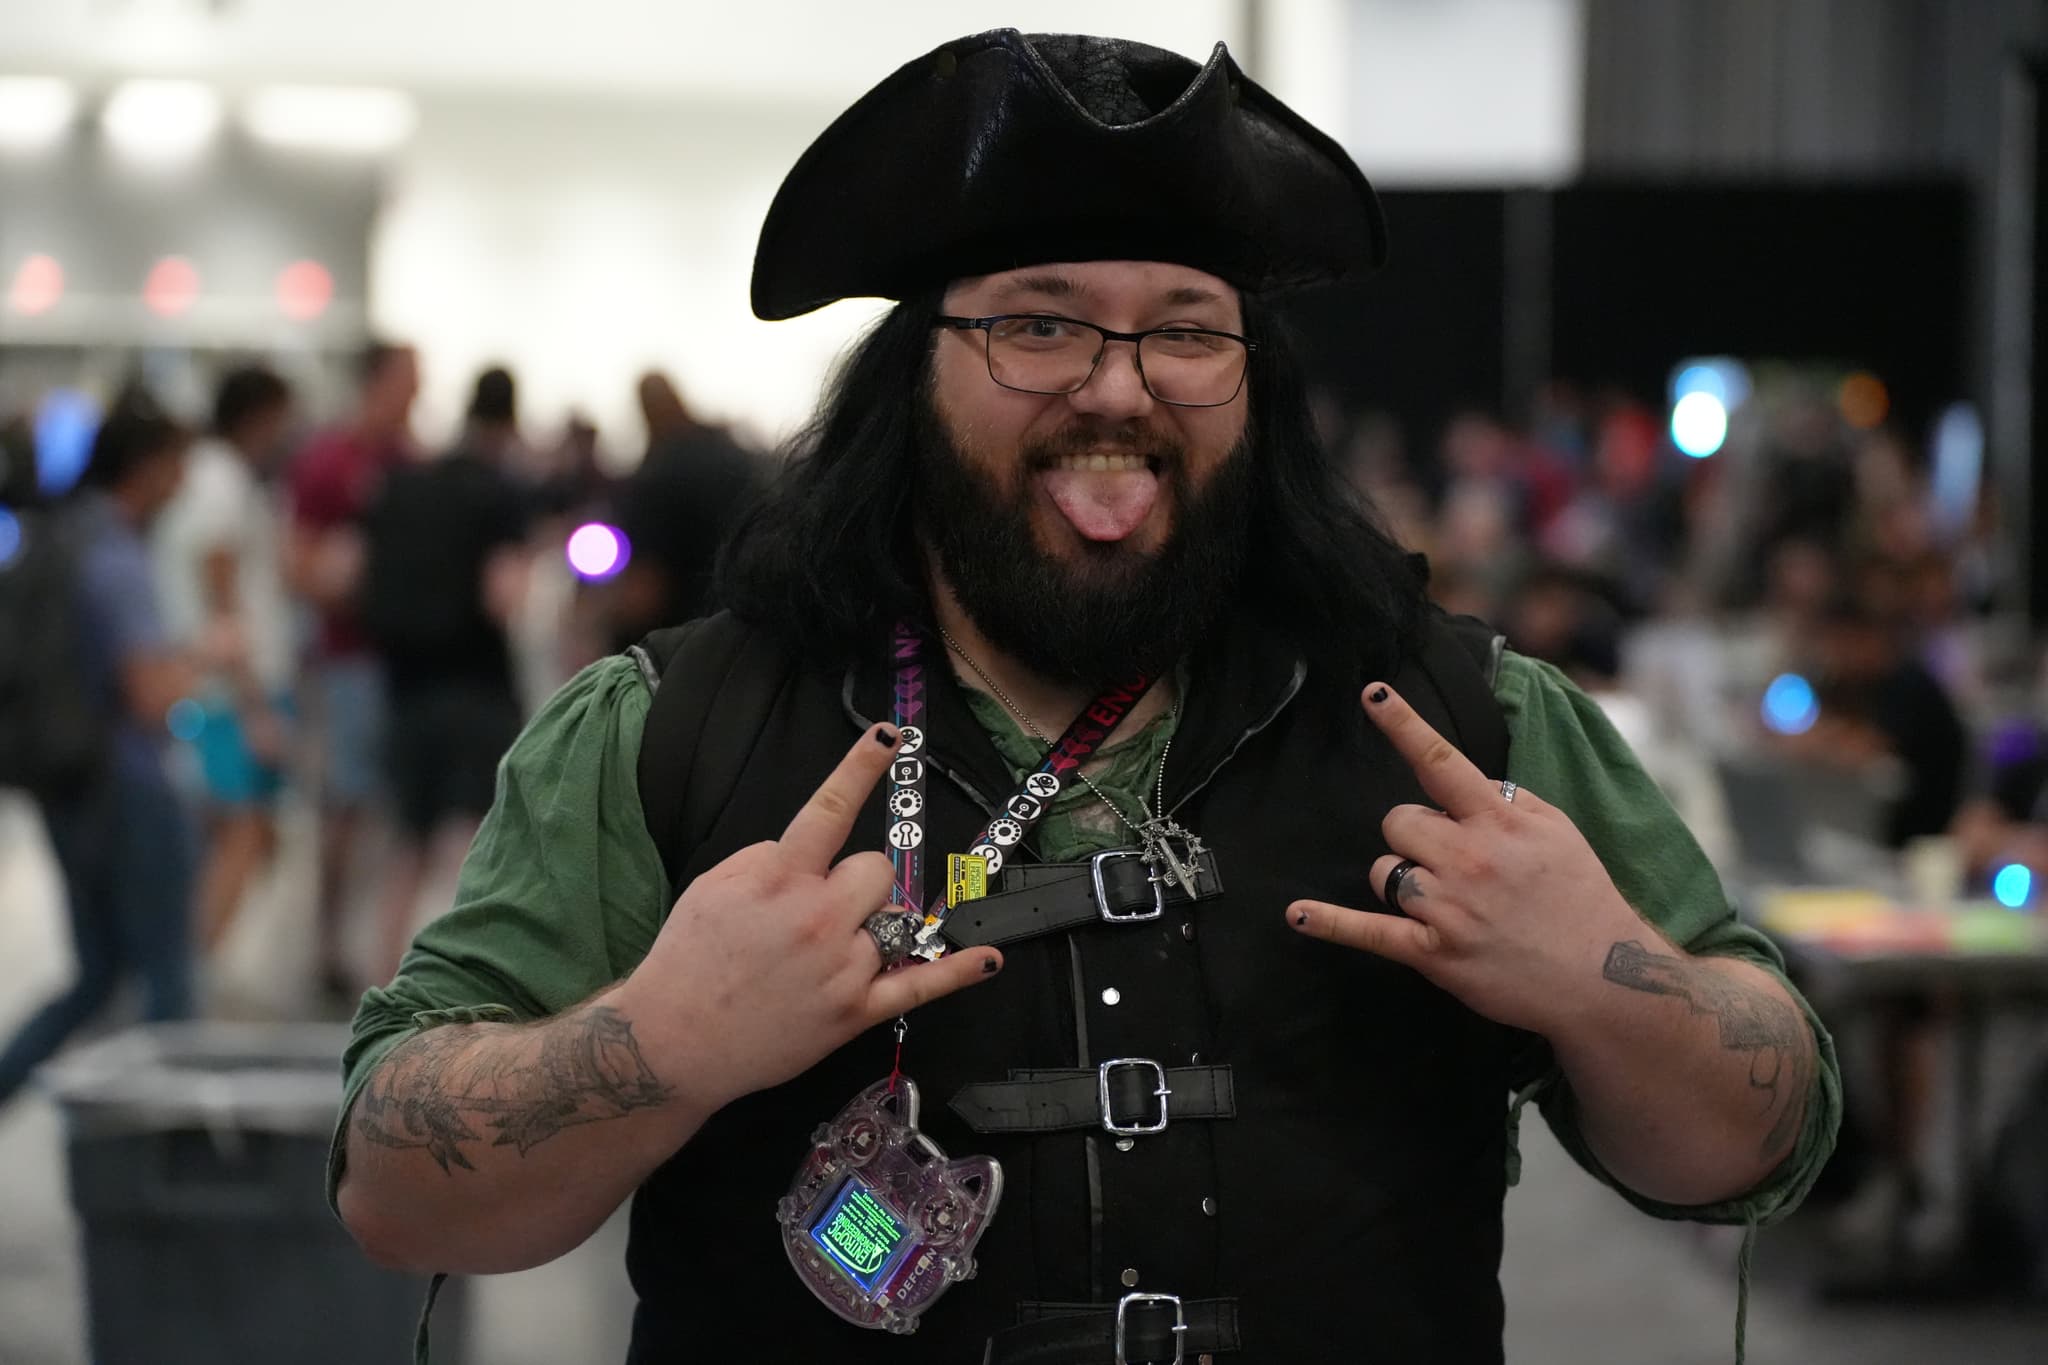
715,683
1461,655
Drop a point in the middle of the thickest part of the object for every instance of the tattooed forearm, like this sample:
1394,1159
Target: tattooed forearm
1768,1029
513,1086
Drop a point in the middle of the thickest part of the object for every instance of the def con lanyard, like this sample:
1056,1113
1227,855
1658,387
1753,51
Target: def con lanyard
1026,806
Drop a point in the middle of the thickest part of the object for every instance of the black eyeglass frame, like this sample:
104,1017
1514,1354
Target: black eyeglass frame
1137,352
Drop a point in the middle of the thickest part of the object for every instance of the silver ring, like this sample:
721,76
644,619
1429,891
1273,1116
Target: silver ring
894,933
1392,892
1507,792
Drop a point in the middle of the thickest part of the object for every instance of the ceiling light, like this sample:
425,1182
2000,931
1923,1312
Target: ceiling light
161,120
35,112
360,120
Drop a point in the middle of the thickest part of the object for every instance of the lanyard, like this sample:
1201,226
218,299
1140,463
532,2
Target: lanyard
1018,815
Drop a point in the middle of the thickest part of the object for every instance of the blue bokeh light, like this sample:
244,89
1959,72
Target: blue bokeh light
1790,708
2013,886
66,423
1721,377
1701,377
1699,424
10,537
185,720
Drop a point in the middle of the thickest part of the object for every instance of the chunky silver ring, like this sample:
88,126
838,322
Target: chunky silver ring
894,933
1507,792
1392,894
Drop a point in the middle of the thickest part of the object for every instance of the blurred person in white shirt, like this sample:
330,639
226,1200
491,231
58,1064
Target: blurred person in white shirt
217,550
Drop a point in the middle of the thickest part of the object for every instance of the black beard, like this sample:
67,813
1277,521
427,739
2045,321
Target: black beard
1116,612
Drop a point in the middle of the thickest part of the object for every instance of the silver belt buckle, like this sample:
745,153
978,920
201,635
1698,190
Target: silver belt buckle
1102,892
1109,1123
1180,1322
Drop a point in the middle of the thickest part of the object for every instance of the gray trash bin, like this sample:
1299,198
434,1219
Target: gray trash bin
198,1156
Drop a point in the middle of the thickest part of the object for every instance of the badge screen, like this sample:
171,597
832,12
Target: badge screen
859,1234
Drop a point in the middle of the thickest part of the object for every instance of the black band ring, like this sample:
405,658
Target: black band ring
1392,893
894,933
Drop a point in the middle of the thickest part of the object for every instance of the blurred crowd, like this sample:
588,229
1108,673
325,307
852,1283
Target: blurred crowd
1807,596
252,609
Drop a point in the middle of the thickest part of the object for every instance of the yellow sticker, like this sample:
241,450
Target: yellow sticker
966,877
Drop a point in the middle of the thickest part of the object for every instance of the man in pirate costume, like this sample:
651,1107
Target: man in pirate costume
1068,713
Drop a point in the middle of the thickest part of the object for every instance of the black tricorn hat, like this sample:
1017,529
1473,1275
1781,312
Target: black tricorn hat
1004,150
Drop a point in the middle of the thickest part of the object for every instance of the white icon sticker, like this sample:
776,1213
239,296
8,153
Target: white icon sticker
913,740
1044,786
1005,832
906,802
989,854
906,834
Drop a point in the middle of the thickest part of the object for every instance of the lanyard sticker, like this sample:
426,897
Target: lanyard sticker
966,878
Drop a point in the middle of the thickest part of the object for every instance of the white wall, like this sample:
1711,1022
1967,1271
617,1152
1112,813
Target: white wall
582,243
1463,91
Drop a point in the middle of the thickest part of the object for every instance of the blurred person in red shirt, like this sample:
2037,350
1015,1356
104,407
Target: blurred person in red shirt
333,482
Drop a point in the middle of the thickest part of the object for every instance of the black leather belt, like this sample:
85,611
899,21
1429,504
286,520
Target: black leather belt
1045,898
1155,1329
1125,1096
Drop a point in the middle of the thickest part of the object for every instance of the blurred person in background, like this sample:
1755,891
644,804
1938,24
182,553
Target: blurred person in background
675,511
445,564
1880,706
333,481
121,838
217,548
2008,822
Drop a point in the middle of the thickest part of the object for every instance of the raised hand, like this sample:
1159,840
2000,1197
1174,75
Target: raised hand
1507,906
763,967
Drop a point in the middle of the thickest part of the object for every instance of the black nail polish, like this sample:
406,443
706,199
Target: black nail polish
887,738
989,966
1301,917
1379,694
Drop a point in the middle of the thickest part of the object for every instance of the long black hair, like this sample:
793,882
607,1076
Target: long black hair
827,559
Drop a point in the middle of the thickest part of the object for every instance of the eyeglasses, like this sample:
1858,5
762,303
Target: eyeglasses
1189,367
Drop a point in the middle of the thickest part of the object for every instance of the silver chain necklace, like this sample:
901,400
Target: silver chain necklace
1158,833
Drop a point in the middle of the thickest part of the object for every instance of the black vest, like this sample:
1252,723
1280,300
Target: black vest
1351,1207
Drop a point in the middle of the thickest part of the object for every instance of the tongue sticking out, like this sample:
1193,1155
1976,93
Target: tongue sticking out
1103,505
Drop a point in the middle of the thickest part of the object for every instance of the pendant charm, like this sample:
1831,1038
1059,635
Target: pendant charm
878,1222
1169,843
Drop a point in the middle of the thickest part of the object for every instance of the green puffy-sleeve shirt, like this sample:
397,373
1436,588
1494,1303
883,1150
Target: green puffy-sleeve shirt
563,891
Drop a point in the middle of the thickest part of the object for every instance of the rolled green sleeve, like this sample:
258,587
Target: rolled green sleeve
561,894
1564,749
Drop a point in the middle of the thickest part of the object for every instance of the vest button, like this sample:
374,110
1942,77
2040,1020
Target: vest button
1208,1206
1187,931
1129,1277
1111,996
1194,1059
1125,1144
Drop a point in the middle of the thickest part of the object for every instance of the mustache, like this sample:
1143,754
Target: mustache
1097,438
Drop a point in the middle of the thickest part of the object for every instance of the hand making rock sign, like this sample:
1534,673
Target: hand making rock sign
1498,897
764,957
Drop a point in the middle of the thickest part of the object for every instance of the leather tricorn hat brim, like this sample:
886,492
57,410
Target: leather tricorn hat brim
1005,150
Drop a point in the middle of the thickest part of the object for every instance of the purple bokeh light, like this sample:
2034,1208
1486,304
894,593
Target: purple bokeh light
597,551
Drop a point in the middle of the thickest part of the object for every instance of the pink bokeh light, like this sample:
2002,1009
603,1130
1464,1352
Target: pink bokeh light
597,551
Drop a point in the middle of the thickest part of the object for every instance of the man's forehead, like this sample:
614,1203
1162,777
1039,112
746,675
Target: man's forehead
1103,282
